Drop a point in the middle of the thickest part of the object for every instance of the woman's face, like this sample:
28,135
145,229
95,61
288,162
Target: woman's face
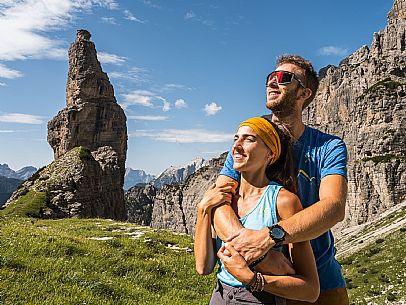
250,153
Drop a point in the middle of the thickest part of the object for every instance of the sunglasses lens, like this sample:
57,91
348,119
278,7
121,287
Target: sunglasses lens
283,77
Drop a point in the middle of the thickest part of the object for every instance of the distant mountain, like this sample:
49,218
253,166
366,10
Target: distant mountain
7,187
136,176
178,174
22,174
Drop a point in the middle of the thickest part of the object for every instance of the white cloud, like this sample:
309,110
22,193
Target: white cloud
3,84
135,74
107,58
9,73
148,117
180,103
184,136
169,87
332,50
189,15
138,97
24,26
144,98
21,118
166,107
7,131
110,20
129,16
110,4
212,108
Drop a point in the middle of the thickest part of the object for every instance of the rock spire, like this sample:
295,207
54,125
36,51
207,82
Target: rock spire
89,139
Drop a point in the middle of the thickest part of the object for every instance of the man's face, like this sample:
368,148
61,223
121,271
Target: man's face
282,98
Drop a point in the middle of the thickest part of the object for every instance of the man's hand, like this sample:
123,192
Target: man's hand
251,244
275,263
235,263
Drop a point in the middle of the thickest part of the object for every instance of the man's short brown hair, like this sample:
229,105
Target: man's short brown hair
311,80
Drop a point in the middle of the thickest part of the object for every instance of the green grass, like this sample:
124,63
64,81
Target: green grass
62,262
376,274
31,204
58,262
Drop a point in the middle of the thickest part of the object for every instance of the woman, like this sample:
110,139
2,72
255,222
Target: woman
262,155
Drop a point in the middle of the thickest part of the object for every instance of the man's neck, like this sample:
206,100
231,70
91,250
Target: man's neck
292,122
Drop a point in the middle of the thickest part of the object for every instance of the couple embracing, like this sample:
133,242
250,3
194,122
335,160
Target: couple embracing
267,219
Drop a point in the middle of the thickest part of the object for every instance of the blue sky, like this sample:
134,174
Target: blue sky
186,72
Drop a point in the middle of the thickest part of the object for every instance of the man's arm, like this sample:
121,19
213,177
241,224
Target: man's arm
305,225
321,216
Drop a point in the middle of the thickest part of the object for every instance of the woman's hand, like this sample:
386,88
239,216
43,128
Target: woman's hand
235,264
215,196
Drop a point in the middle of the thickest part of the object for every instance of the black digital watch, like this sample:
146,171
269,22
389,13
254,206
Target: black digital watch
277,233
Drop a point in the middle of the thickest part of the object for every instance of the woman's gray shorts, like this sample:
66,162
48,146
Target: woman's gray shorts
227,295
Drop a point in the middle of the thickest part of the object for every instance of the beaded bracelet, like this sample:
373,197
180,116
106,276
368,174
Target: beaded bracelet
257,283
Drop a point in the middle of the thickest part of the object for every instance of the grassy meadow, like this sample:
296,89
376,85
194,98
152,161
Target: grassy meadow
98,261
95,261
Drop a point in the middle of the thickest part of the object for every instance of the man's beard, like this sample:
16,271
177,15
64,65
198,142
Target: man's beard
285,106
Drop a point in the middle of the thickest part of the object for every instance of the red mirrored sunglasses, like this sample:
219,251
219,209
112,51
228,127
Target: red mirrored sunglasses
283,77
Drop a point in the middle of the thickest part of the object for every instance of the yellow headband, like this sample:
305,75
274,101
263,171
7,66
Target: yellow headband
267,133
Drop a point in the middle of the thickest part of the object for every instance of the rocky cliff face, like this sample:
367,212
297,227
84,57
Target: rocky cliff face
78,184
89,139
363,100
173,206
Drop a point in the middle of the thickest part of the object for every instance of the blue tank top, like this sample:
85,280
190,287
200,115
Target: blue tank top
262,215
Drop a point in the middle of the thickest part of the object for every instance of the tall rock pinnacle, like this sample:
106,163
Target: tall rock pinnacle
92,118
86,80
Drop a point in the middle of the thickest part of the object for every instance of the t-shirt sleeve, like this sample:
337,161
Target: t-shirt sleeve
228,169
335,159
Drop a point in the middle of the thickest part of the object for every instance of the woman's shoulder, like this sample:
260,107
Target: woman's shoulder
287,204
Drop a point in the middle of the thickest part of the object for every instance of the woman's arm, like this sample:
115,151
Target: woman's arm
304,285
204,245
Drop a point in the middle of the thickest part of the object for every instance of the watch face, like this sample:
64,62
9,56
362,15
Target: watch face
278,233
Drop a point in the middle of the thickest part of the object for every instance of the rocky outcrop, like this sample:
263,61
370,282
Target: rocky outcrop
363,100
92,118
140,203
173,206
89,139
68,191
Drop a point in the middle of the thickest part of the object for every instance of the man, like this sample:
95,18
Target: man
322,186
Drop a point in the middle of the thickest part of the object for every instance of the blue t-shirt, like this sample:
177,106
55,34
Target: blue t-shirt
317,155
264,214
